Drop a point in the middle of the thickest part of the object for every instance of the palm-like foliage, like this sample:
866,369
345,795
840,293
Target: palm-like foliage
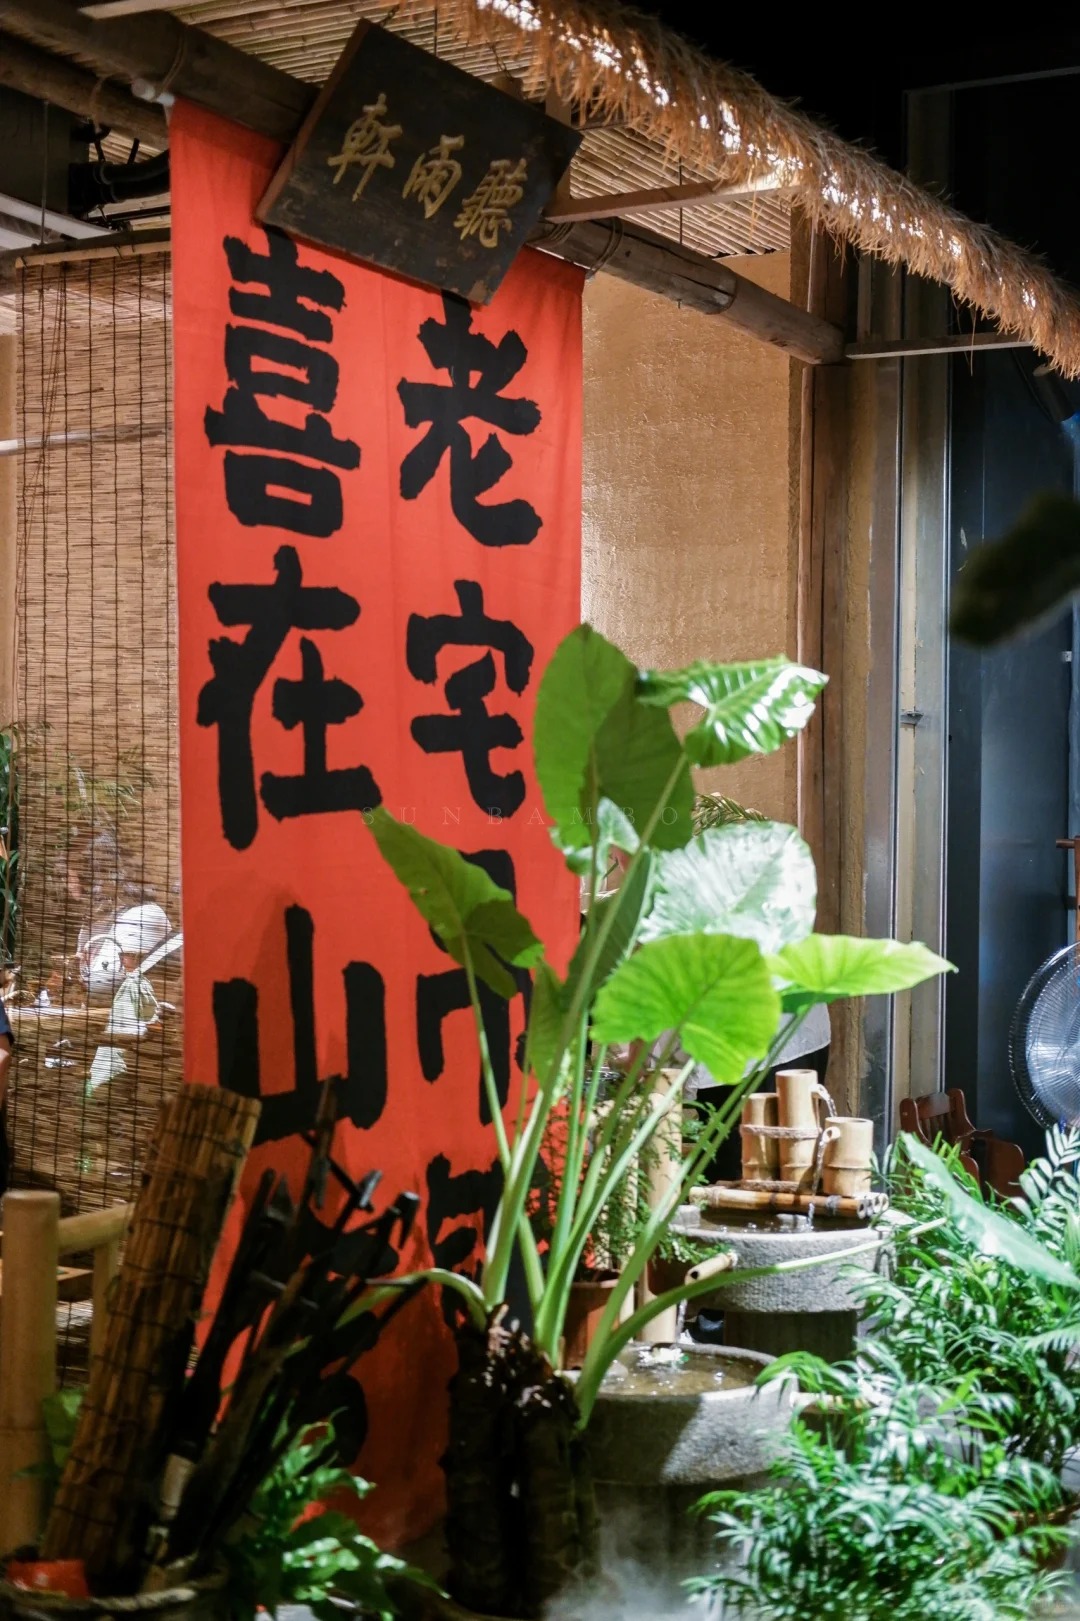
955,1310
928,1482
879,1510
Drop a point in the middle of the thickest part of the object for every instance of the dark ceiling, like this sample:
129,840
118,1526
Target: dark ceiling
857,87
1014,123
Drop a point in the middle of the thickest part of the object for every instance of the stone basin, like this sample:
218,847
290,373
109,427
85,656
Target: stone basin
658,1443
696,1421
813,1310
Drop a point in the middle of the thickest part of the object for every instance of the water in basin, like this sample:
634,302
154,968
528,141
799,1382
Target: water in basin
675,1370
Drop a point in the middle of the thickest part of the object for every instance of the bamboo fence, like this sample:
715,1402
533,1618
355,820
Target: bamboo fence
96,707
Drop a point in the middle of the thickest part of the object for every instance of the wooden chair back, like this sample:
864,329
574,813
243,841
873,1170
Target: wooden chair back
987,1158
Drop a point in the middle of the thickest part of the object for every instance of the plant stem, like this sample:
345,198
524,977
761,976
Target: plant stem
598,1187
465,1287
600,1355
491,1091
534,1271
527,1149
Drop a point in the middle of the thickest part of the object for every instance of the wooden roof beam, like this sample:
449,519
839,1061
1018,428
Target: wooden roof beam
36,73
158,53
161,54
696,282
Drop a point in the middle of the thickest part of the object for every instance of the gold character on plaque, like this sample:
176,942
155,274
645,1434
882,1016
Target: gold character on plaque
367,145
435,174
486,212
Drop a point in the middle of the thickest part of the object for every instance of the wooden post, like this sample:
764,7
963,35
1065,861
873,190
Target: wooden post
823,520
27,1357
9,482
106,1266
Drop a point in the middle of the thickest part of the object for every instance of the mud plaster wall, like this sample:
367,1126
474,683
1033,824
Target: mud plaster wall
689,549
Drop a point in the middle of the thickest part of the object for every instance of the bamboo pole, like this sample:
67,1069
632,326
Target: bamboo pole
693,279
93,1229
136,1377
663,1169
163,56
27,1358
727,1196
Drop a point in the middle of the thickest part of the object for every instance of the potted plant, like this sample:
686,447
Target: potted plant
298,1543
707,946
597,1271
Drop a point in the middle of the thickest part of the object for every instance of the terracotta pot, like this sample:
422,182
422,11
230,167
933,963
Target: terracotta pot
666,1274
588,1301
204,1598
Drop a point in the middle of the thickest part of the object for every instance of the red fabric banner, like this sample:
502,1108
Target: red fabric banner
378,497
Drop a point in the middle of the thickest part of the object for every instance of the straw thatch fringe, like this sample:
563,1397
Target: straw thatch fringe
621,65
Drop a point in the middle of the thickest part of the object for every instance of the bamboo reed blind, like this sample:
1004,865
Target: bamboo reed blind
96,723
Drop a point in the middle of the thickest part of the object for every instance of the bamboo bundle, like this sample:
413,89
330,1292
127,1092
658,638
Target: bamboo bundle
730,1196
105,1495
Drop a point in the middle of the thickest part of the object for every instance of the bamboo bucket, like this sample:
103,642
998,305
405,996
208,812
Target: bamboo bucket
760,1154
801,1096
848,1157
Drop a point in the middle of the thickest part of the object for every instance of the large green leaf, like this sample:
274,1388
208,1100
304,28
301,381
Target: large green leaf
639,760
754,879
992,1233
604,760
824,967
749,708
465,907
627,904
581,685
546,1012
715,989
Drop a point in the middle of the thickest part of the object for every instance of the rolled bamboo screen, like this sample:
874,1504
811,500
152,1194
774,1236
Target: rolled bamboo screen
96,769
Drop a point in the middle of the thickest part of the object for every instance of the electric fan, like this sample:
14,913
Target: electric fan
1044,1041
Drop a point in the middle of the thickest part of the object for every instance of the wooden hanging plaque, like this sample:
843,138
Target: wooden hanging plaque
412,165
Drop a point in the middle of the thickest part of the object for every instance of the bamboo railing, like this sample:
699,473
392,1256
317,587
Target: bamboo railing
33,1242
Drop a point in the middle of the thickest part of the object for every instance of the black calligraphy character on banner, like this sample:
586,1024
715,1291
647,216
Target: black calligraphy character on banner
313,703
453,347
472,1193
282,490
362,1089
439,995
470,730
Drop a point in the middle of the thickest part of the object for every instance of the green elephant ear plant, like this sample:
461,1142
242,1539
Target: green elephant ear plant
705,948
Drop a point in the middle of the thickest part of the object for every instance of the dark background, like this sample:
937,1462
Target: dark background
829,69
